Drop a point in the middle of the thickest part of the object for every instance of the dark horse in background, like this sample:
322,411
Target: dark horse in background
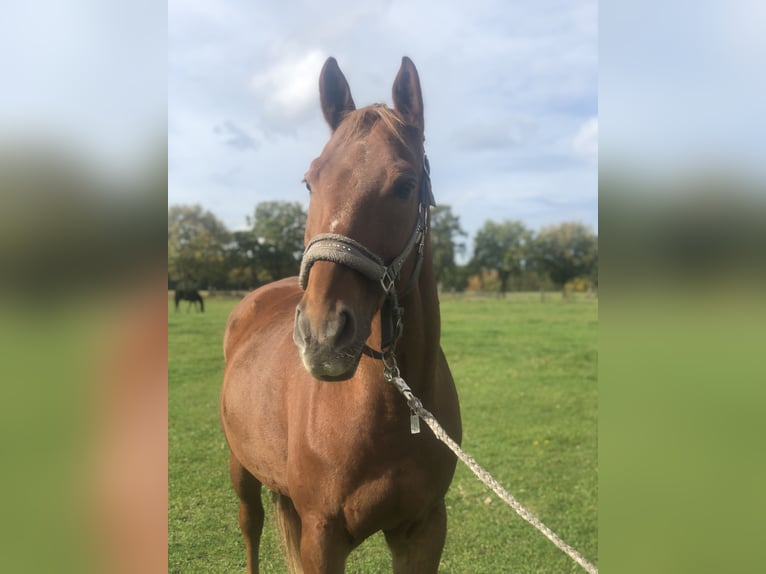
192,296
305,407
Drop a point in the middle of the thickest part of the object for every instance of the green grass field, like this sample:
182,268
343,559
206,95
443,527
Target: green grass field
526,374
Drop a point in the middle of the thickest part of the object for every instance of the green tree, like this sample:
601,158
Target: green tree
445,244
241,261
197,242
504,248
278,227
566,251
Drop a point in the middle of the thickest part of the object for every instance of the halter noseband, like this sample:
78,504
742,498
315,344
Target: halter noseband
349,252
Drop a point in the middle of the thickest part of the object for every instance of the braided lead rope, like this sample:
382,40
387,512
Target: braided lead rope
392,375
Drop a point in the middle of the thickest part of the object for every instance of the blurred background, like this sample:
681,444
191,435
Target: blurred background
682,206
83,188
83,285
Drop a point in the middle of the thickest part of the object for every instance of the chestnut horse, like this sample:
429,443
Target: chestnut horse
305,406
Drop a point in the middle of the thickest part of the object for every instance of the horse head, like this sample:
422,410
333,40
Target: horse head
366,221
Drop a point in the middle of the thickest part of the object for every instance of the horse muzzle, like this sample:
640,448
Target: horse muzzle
330,346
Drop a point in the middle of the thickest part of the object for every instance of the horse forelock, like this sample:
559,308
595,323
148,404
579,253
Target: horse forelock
359,123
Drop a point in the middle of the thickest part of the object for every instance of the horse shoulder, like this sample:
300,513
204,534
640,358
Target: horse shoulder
256,311
253,402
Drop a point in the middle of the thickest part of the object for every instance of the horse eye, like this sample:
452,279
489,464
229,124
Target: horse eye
403,189
308,186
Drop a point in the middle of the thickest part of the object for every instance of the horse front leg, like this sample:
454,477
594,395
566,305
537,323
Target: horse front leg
251,514
416,548
325,545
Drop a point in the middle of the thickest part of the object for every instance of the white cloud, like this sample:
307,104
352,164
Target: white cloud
585,142
288,88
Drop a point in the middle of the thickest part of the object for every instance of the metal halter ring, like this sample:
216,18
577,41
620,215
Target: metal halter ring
388,281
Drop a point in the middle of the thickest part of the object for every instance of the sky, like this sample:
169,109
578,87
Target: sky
682,86
521,98
510,93
86,78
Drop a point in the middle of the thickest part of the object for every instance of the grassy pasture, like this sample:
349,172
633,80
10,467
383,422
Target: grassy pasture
526,375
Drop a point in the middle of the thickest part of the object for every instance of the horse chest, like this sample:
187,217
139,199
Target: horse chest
375,474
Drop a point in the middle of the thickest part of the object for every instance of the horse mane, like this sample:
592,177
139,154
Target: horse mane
359,122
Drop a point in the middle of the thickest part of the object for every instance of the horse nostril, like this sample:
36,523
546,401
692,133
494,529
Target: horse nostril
346,329
336,333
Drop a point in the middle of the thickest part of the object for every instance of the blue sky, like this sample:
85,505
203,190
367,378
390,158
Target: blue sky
510,92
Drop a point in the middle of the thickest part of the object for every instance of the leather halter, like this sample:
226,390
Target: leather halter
349,252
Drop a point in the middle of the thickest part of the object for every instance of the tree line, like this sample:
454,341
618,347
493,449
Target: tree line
507,256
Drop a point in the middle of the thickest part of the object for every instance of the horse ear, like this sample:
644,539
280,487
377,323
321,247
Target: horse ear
334,93
408,99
